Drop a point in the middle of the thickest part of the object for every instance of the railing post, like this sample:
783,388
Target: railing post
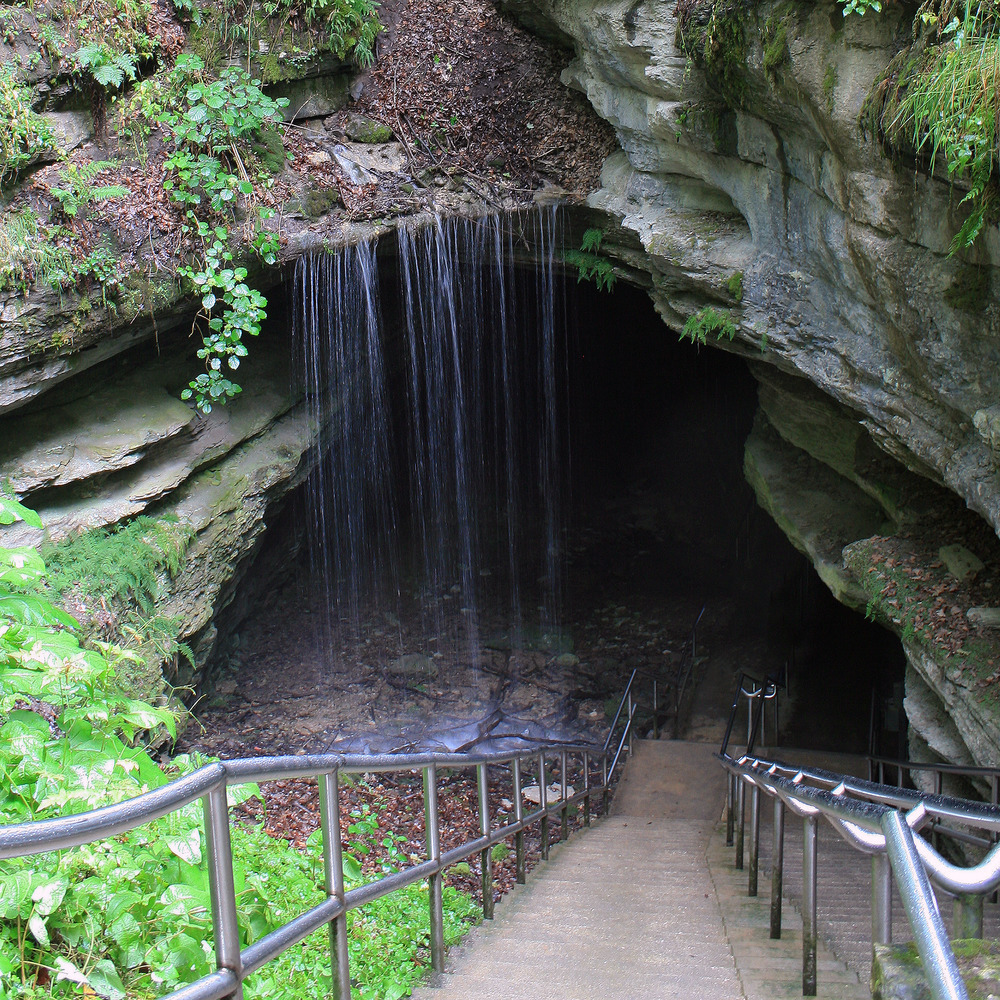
881,899
586,788
809,907
432,831
730,808
754,840
656,717
486,855
740,820
968,917
777,866
631,729
604,781
544,803
518,816
564,812
333,874
222,887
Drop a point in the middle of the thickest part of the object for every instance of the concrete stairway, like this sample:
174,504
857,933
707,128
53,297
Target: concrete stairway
644,905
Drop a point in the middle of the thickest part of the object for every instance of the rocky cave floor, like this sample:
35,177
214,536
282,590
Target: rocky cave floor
276,692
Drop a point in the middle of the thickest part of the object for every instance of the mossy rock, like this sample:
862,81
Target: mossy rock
270,150
969,292
318,201
360,128
898,973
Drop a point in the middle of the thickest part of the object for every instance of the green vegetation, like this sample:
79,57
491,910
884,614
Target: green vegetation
77,189
23,134
714,37
938,100
129,916
734,285
774,37
970,291
214,125
280,34
591,265
28,254
830,80
121,565
708,322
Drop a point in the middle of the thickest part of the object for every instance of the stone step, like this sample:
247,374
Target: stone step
646,904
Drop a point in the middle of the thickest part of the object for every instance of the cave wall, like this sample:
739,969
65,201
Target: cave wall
878,370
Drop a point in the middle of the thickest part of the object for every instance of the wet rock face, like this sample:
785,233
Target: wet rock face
748,186
845,273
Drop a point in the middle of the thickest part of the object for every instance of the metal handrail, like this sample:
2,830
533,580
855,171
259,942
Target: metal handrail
769,689
880,820
209,784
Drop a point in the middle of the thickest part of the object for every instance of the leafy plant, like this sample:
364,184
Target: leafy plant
708,322
590,264
23,134
120,565
213,128
77,189
130,916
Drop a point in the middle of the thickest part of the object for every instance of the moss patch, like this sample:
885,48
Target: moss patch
970,291
830,81
270,151
735,285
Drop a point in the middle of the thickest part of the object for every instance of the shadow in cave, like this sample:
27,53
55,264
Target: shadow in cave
656,524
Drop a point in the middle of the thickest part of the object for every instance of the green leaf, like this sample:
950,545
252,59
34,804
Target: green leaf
109,75
49,895
36,925
186,846
30,610
105,981
11,511
352,868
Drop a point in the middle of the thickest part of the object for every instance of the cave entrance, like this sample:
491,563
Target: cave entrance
608,511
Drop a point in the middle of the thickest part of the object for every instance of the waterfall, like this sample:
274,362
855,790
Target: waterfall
434,372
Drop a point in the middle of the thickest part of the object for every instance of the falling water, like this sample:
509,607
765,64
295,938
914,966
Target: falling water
434,378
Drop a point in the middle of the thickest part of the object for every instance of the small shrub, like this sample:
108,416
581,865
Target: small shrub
29,254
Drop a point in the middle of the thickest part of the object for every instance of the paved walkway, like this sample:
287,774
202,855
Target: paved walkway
644,906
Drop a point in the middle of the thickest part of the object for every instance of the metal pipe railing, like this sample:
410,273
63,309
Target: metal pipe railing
880,820
209,784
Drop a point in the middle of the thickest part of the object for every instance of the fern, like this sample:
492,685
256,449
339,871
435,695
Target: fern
590,265
108,68
708,321
79,191
122,565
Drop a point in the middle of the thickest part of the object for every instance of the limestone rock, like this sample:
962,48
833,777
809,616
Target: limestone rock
818,510
70,128
960,561
361,128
